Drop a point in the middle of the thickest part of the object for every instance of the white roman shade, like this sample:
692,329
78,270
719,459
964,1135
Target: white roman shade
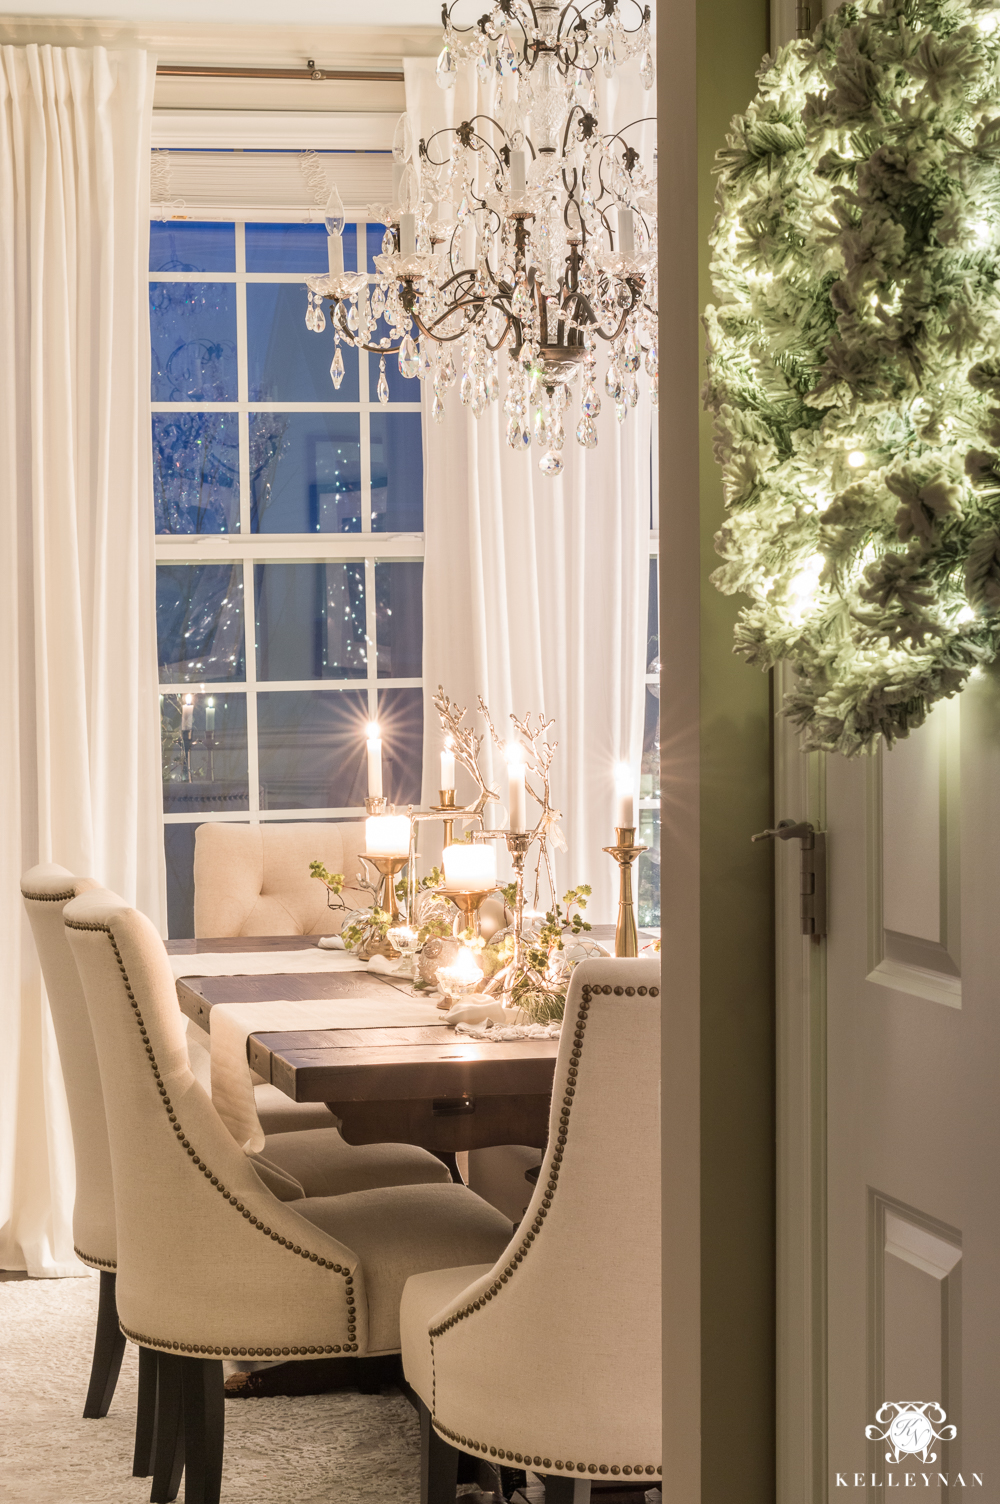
265,185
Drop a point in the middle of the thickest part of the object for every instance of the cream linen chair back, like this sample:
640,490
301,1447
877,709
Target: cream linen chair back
254,879
46,890
552,1357
210,1262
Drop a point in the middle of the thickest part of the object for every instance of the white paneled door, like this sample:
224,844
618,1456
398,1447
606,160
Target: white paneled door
889,1118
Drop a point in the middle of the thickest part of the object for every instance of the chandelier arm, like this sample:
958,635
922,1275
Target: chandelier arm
618,135
446,130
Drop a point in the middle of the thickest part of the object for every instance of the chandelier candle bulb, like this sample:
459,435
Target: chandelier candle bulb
335,254
407,235
626,232
398,168
387,835
518,175
374,762
470,869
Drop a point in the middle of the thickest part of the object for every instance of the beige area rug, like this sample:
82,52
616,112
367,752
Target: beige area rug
336,1448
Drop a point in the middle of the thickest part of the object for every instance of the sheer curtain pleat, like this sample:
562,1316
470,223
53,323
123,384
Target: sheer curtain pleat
535,591
79,764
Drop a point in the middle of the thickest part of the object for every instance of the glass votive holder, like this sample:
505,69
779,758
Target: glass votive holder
403,937
460,979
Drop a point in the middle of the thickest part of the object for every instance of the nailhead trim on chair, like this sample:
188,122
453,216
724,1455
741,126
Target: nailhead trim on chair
88,1258
49,897
164,1345
295,1248
569,1091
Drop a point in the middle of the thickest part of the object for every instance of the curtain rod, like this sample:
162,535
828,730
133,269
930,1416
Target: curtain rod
342,75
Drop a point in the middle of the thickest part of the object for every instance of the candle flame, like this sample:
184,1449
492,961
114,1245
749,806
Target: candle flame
189,699
513,754
373,731
624,781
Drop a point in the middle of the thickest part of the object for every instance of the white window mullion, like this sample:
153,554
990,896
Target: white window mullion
249,617
242,377
371,640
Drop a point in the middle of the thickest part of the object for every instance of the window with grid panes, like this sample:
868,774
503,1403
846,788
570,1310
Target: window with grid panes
648,879
289,521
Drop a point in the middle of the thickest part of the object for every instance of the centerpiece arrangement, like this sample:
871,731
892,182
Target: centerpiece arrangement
525,963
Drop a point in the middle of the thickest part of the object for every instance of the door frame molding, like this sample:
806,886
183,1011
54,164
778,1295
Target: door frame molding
802,1473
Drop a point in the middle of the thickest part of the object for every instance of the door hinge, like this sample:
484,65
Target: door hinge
812,888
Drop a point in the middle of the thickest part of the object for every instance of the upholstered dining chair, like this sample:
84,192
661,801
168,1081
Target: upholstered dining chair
45,890
254,879
549,1358
212,1265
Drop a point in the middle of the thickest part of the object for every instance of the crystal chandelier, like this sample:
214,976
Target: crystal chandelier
528,229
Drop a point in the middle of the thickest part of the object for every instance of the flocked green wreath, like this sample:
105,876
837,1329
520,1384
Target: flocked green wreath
854,365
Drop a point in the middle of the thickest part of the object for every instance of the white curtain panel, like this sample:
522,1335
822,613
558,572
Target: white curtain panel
79,764
535,591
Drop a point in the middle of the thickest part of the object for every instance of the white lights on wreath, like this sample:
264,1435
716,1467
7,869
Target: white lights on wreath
529,231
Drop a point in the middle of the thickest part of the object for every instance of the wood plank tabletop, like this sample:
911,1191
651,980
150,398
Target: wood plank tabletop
419,1084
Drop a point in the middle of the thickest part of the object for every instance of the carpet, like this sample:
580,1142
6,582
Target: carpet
339,1448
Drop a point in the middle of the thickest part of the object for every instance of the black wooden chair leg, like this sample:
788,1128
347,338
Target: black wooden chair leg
145,1414
109,1347
204,1429
566,1490
438,1464
168,1436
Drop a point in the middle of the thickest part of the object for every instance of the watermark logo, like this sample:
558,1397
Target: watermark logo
908,1427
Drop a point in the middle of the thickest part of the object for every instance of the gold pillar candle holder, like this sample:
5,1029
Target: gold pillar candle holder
447,798
468,903
625,853
385,897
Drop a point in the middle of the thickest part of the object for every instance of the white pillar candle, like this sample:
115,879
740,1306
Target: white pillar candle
387,835
187,713
470,869
374,762
625,801
518,175
626,231
210,716
335,254
407,235
447,770
516,802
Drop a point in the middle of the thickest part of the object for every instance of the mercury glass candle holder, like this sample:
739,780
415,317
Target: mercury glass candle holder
461,979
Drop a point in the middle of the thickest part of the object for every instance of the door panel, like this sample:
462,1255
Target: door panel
898,1294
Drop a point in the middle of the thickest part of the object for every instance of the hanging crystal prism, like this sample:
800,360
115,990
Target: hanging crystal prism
484,65
586,433
388,243
382,389
647,71
337,367
466,390
352,318
446,69
551,465
437,409
591,404
409,358
319,319
479,398
654,390
613,383
448,372
621,411
378,303
631,390
514,434
309,312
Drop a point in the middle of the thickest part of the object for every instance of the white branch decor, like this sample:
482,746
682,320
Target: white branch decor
854,369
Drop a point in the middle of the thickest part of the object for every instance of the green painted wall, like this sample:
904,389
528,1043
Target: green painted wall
737,917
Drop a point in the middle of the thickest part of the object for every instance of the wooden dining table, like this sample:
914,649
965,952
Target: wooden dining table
422,1085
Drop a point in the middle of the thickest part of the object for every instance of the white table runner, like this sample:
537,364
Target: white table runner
257,963
231,1024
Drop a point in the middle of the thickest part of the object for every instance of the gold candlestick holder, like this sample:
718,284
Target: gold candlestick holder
468,903
385,897
625,853
447,798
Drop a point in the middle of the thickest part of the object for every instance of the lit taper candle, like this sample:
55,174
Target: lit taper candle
374,761
625,797
447,768
515,787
